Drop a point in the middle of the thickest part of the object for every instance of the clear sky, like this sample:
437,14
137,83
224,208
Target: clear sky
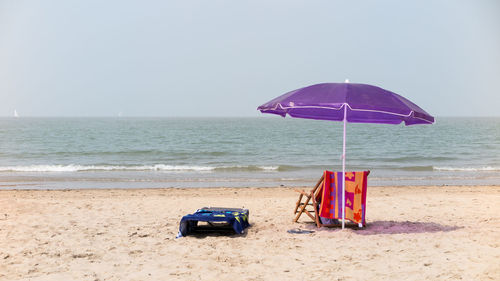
225,58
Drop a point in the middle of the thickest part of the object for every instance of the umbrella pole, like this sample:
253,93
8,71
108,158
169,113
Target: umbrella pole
343,168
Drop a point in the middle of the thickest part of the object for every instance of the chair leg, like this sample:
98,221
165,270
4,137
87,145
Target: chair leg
316,217
298,203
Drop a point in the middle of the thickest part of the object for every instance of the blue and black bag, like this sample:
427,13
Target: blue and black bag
227,220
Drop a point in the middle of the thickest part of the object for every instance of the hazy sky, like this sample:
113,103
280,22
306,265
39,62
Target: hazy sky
225,58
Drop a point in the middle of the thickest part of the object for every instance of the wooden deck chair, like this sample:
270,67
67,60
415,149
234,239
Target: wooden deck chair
356,185
309,206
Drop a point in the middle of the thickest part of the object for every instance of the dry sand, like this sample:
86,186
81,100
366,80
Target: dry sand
413,233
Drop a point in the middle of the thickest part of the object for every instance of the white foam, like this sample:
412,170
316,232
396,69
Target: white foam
157,167
162,167
467,169
269,168
81,168
248,167
41,168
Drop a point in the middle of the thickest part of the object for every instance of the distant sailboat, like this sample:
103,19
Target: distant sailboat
15,114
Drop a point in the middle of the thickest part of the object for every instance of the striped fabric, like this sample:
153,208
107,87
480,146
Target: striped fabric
355,196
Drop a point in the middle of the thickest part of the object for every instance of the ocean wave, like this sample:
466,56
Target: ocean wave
157,167
247,168
414,168
406,159
467,169
213,168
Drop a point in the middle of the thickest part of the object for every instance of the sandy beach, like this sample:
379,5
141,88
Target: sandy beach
413,233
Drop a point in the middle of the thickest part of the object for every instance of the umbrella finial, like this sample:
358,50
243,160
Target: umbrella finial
346,81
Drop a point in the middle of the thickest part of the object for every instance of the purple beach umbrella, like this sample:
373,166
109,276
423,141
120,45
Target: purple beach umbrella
347,102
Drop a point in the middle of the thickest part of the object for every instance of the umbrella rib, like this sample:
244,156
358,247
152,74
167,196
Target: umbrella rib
353,109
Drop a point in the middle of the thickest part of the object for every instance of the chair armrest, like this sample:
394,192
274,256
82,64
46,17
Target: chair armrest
303,192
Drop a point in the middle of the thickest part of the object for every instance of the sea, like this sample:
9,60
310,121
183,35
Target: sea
267,151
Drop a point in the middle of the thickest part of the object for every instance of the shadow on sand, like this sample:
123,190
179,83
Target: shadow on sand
202,233
394,227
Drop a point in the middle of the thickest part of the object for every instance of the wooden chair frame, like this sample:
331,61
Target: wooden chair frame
310,201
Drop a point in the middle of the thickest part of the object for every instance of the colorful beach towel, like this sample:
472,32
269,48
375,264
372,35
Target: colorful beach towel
355,196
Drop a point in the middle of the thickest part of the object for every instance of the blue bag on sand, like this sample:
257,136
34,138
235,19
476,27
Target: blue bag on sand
233,220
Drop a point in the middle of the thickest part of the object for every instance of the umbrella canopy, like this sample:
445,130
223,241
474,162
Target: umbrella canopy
347,102
364,104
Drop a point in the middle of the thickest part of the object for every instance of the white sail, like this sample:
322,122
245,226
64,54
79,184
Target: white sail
15,113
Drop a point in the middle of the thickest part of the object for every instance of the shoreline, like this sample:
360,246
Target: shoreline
432,232
305,187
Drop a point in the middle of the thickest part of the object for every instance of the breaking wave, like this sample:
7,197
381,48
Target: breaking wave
468,169
157,167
